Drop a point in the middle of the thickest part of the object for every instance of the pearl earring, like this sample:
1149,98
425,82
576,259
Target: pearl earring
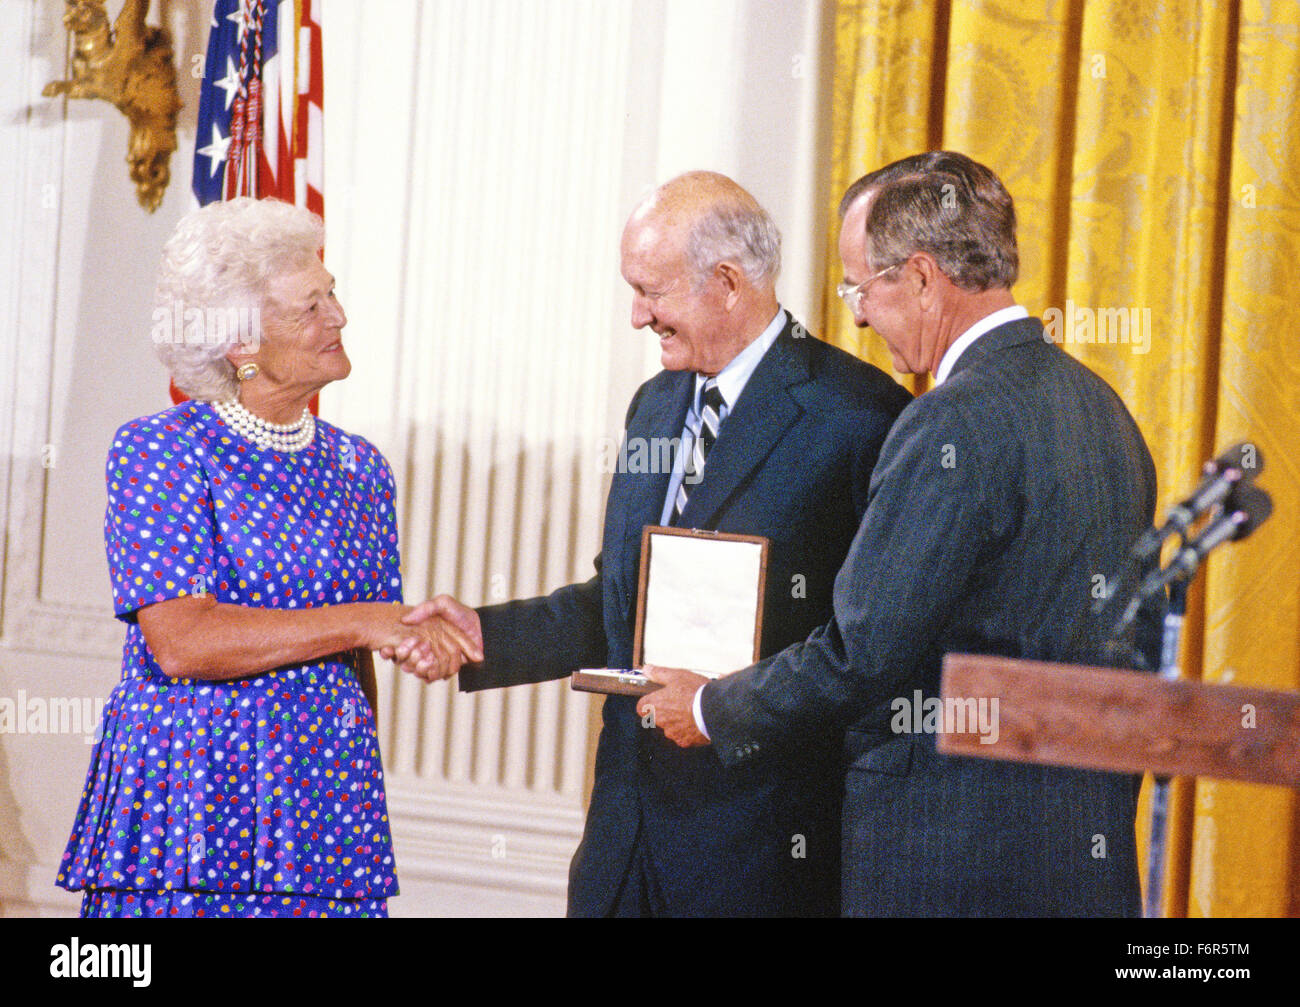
246,371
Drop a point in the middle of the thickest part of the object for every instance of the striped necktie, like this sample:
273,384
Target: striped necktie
693,466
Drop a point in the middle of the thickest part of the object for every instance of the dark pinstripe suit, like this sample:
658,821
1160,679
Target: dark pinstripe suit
997,498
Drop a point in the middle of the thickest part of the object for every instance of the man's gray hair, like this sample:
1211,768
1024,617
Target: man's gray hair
745,235
947,205
728,225
216,265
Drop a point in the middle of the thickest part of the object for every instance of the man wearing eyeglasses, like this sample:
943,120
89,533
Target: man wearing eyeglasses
777,434
999,497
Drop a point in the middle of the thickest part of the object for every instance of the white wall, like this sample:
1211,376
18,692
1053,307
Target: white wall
77,260
481,158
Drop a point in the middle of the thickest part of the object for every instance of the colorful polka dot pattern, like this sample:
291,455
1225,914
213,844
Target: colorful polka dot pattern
106,903
266,784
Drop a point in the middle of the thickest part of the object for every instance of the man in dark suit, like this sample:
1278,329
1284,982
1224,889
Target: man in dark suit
1000,497
792,428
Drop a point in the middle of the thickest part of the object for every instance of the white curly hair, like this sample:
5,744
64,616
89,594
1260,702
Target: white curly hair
212,280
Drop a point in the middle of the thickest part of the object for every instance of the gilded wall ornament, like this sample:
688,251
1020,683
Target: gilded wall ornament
130,66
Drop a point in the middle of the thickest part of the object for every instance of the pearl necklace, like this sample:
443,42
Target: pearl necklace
282,437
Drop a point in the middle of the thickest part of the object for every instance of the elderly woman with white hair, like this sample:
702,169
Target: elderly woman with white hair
253,555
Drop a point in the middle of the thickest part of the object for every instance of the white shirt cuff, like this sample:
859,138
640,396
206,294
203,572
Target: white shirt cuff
698,713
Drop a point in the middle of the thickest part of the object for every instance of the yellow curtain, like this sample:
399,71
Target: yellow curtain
1153,151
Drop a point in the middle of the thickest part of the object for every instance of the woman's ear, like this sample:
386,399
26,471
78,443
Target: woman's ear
242,360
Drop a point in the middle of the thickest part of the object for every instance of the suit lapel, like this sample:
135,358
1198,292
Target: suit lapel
661,416
638,491
755,425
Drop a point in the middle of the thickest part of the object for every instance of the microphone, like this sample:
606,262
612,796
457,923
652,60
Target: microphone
1247,508
1237,466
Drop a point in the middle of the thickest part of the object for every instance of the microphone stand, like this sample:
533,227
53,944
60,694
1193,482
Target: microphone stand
1169,672
1244,509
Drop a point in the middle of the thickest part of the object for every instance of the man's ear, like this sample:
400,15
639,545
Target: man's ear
927,276
733,281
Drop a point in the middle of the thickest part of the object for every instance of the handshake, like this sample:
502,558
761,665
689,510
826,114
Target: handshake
443,636
435,640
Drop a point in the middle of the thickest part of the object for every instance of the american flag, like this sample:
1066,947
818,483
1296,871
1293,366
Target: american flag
260,129
260,104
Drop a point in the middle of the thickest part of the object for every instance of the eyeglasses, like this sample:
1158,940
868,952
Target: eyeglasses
854,295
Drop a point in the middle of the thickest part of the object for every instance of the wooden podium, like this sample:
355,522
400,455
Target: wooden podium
1128,722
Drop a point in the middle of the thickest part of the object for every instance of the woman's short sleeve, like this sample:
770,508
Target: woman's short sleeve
158,528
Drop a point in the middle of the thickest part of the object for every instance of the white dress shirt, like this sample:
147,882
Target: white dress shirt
731,382
986,324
